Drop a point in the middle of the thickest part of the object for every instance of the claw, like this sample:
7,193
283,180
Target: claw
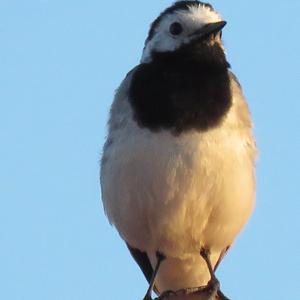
214,284
165,294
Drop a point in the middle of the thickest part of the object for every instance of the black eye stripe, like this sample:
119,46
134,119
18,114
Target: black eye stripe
175,28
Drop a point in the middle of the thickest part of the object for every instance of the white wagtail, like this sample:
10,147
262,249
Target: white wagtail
178,166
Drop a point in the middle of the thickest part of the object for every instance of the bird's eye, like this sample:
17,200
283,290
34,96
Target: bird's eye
175,28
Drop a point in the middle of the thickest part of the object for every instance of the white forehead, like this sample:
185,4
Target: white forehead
191,19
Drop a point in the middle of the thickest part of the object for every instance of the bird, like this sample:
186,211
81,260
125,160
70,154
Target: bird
178,165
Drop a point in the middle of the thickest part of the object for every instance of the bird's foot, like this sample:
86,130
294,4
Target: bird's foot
208,292
165,295
211,291
213,287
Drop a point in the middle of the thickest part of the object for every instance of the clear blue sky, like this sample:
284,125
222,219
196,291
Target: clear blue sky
60,62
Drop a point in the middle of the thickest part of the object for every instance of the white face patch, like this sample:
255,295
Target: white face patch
192,19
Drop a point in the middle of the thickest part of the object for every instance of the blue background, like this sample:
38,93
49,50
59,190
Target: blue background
60,62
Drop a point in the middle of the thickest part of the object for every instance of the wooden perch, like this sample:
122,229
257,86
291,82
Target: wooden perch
193,297
201,295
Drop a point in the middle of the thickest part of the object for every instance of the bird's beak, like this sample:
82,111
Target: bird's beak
208,29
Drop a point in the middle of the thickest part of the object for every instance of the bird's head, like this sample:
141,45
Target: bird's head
182,24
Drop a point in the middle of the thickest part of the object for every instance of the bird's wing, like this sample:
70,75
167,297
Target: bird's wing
118,110
235,79
142,259
117,114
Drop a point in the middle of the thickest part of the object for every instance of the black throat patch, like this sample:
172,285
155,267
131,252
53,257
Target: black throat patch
182,90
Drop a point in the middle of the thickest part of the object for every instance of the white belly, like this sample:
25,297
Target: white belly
177,194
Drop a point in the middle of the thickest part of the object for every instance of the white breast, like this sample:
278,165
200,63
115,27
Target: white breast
159,187
178,193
